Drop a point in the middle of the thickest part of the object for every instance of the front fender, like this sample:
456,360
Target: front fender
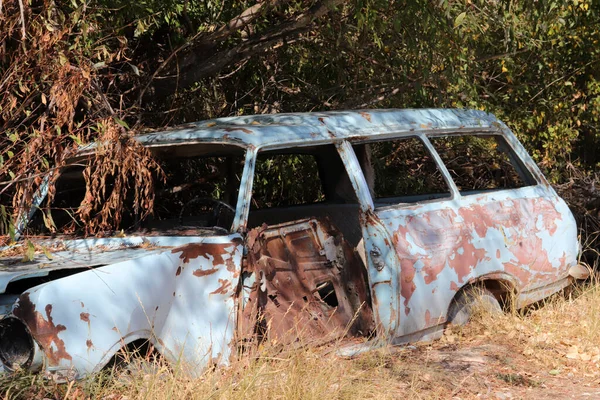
182,300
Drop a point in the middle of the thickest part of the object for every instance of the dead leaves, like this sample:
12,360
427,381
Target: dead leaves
574,352
120,167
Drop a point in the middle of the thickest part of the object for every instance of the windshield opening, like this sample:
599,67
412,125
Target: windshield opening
196,191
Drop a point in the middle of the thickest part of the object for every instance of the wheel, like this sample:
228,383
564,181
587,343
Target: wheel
468,302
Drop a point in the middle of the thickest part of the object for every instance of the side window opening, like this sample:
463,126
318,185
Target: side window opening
199,191
400,171
304,182
481,163
282,180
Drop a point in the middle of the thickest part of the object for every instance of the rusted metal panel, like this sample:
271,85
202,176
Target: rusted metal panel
181,300
308,286
526,233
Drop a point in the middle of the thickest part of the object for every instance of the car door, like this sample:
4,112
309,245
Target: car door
303,281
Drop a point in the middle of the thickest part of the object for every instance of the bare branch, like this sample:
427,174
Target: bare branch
197,65
245,18
22,10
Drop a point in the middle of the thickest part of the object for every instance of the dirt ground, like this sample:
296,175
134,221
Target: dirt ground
485,369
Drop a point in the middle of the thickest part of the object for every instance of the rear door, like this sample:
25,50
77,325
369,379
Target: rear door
303,280
309,284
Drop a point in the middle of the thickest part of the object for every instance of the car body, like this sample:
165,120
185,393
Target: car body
295,260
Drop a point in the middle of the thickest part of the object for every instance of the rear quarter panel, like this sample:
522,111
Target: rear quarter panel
525,236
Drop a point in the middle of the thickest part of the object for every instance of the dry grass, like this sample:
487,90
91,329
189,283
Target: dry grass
549,351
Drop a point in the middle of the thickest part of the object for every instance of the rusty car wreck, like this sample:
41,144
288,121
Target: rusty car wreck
383,223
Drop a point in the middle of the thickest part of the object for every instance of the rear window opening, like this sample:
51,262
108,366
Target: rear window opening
479,163
400,171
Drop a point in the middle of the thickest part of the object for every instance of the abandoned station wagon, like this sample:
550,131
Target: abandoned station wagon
293,228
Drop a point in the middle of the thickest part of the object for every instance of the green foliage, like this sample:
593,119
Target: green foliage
87,67
286,180
534,64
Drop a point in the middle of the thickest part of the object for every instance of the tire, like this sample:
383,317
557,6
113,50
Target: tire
470,301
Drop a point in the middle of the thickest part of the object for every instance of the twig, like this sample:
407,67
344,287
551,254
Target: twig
561,78
22,10
234,71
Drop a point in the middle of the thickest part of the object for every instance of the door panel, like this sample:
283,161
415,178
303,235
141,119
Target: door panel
309,284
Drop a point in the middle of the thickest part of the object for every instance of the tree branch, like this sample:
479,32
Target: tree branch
196,65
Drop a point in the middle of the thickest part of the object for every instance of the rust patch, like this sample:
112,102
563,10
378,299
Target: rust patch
225,286
365,115
444,237
231,268
215,250
563,260
300,295
454,287
85,317
237,129
89,344
44,331
428,318
204,272
160,341
178,272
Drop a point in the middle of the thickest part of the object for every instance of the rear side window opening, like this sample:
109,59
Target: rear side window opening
400,170
480,163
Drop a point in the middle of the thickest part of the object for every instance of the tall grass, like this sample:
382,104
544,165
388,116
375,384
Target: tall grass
556,337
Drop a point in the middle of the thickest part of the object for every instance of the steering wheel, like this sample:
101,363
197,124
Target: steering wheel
217,210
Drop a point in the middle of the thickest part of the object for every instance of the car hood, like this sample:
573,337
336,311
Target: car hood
61,254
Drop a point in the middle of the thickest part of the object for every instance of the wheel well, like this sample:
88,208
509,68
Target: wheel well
138,348
503,290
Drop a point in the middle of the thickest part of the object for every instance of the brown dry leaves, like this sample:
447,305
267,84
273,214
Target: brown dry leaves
120,165
52,99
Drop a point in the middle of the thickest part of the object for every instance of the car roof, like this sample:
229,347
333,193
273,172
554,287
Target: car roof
281,130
